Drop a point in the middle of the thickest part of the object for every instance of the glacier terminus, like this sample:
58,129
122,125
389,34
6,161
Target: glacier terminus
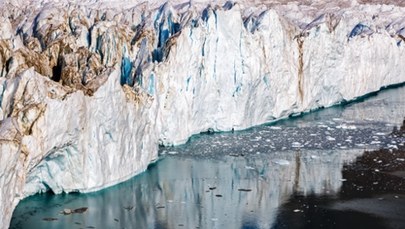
89,89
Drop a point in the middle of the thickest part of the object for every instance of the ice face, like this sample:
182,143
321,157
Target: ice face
90,89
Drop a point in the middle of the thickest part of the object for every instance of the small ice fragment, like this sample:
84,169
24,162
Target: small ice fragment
67,211
392,146
172,152
275,128
314,157
376,170
396,197
297,210
343,180
346,127
375,142
249,167
214,219
400,159
281,162
380,134
329,138
296,145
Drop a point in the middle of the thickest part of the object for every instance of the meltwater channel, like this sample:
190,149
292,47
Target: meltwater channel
341,167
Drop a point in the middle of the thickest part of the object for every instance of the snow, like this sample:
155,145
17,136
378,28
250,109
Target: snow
136,74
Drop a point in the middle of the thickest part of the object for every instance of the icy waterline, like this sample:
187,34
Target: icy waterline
257,179
89,91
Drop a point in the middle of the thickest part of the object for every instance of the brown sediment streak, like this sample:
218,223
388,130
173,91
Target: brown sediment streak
300,42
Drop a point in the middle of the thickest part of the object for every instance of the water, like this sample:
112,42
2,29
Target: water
305,172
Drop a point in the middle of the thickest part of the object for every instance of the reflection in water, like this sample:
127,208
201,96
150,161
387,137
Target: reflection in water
209,193
295,174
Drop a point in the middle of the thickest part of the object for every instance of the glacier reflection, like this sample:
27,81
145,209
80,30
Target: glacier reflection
230,192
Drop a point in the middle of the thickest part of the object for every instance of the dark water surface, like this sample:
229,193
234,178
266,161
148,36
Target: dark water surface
342,167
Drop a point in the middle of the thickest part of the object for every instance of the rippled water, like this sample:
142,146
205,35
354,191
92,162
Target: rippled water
305,172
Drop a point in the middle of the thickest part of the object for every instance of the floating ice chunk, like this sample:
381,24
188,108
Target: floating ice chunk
329,138
380,134
375,142
296,145
392,146
346,127
172,153
275,128
281,162
400,159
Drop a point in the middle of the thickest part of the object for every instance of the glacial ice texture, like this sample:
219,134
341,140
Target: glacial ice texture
88,90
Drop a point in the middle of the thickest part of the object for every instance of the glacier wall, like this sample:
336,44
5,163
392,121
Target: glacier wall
88,90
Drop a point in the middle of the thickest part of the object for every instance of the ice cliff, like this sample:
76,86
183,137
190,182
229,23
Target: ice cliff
88,89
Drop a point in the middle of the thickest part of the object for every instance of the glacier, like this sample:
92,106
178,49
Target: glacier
89,89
